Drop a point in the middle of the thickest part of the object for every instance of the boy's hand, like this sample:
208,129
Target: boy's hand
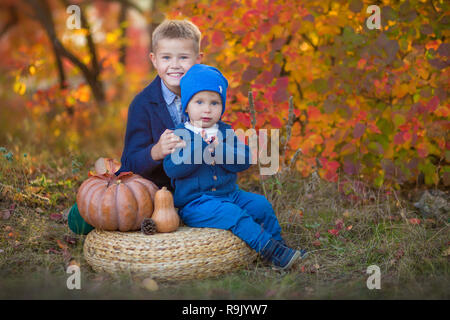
167,144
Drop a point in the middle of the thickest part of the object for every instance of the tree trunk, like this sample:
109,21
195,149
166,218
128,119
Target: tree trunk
44,17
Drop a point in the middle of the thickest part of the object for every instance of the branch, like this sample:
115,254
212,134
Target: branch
44,17
309,41
13,21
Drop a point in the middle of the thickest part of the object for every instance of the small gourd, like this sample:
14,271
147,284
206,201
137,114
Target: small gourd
164,214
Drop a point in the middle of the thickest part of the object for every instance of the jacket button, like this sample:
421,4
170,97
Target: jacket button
215,177
213,189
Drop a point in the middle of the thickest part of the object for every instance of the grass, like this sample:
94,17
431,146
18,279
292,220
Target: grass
36,246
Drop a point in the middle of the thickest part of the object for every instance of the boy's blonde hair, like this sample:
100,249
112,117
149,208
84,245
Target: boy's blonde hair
177,29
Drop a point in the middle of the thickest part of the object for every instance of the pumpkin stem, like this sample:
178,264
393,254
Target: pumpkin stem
111,178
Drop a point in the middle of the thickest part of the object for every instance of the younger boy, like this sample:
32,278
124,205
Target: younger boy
205,189
156,110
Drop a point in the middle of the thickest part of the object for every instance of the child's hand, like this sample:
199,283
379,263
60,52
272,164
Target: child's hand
213,140
167,144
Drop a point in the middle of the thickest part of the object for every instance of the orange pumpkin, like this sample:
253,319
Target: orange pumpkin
111,202
165,216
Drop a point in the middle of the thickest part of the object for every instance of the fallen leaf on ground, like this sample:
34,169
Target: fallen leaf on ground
414,221
51,250
61,245
333,232
70,240
317,243
5,214
150,284
339,224
56,216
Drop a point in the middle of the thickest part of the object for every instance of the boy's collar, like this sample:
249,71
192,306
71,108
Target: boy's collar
222,127
168,95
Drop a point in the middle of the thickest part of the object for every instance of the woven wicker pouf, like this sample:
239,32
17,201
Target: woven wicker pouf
188,253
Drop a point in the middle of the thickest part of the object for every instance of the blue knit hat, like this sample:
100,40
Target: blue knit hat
201,77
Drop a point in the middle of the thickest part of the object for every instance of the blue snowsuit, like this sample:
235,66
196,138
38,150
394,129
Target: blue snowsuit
207,195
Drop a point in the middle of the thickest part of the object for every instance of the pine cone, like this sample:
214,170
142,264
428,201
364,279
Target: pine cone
148,226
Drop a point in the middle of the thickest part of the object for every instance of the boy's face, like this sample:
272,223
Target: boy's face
172,59
204,109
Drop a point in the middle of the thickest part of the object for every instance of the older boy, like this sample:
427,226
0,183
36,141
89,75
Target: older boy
154,112
205,189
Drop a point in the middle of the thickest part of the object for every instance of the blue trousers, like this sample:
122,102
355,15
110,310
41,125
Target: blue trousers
248,215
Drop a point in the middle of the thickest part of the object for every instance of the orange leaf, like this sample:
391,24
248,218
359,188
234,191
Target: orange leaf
61,245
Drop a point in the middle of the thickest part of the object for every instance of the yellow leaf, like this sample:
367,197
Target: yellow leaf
20,88
423,73
32,69
278,31
401,90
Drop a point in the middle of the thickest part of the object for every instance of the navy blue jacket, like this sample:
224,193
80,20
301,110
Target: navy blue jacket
191,180
148,118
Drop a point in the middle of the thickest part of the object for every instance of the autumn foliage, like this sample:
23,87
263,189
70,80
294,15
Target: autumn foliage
367,103
370,103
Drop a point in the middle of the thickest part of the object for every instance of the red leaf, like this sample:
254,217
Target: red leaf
398,138
414,221
249,74
56,216
275,122
333,232
217,38
339,224
433,104
5,214
70,240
